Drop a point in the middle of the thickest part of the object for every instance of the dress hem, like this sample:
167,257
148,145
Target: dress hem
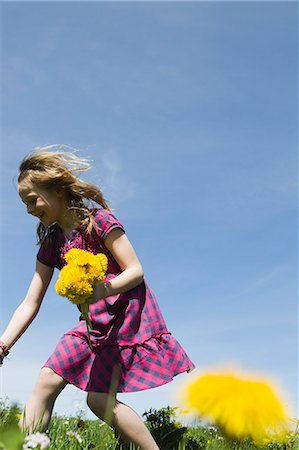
122,391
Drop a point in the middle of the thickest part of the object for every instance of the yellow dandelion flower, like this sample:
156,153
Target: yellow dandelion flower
74,285
97,268
72,254
240,406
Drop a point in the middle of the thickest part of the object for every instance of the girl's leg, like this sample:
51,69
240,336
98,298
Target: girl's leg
122,418
39,407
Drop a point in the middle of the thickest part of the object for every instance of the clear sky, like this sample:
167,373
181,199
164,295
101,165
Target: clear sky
189,113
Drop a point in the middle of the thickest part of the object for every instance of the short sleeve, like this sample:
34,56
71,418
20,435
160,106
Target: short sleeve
47,253
105,222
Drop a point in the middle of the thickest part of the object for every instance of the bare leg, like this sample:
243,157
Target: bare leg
122,418
39,407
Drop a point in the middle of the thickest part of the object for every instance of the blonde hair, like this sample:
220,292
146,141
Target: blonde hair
52,169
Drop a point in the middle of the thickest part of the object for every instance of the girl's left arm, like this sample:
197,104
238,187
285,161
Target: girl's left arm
132,274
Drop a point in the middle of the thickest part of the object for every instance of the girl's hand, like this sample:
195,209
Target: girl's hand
3,352
100,291
2,356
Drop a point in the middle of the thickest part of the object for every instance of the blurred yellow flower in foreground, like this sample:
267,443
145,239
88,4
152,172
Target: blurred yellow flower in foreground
184,411
240,406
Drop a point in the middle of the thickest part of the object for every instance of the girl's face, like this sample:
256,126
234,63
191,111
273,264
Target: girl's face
47,205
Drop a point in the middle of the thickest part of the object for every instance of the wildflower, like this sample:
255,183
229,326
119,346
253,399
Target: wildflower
241,407
37,440
77,279
82,271
75,435
80,410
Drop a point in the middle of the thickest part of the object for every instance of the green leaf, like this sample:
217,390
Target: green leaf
11,438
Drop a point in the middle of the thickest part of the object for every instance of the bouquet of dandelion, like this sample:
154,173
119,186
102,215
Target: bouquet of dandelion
77,279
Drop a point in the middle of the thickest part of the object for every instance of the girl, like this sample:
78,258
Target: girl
132,348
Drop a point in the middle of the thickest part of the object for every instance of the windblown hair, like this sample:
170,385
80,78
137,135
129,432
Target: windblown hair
52,169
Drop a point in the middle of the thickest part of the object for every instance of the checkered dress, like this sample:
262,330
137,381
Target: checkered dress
132,347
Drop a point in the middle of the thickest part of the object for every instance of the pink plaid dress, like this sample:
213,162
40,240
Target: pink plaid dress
132,347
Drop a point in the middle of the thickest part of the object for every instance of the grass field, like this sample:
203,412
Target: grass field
76,433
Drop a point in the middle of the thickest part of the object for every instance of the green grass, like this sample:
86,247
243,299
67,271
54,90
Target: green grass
76,433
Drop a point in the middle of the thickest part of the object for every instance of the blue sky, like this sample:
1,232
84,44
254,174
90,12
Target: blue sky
189,113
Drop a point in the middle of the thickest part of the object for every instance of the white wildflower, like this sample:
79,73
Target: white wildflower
75,435
80,409
37,440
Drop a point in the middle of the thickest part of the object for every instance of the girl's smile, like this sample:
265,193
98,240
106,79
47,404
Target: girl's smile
47,205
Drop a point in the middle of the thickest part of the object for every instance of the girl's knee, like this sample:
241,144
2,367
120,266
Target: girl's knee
49,381
96,399
98,402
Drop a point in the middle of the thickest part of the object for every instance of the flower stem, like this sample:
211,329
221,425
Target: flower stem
85,316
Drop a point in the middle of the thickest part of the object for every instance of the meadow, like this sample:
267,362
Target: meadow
77,433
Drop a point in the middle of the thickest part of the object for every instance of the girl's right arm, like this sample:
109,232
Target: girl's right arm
28,309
